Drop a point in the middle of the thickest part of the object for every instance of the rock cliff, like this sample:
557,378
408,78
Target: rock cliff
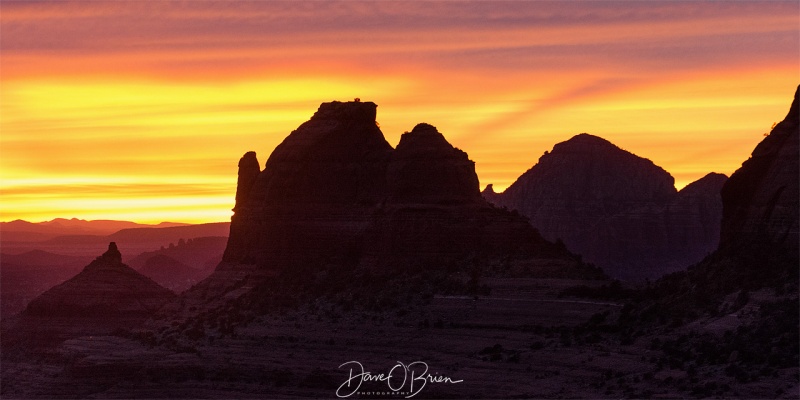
335,192
314,192
426,169
761,199
757,253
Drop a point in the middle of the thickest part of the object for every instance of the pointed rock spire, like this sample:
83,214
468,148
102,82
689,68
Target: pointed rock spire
248,173
112,254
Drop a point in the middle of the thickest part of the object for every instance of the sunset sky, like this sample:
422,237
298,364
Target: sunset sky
140,110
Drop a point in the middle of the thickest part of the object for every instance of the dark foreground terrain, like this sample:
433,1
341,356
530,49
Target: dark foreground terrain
522,341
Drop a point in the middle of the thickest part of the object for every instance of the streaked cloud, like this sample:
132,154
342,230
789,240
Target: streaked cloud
163,91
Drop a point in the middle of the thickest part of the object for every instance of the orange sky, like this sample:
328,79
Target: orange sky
141,110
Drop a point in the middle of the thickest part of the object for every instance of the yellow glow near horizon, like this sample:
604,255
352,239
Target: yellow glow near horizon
143,148
141,110
685,127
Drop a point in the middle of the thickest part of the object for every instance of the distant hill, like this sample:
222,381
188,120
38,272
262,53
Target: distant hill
29,273
90,289
132,240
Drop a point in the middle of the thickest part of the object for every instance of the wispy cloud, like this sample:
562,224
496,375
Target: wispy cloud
176,88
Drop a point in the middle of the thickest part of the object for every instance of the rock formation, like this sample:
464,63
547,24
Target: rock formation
582,181
105,291
426,169
761,199
106,296
336,193
759,238
248,172
314,191
616,209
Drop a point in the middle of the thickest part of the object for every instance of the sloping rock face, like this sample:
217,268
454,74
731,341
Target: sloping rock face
759,238
335,192
761,199
619,211
106,289
171,273
656,239
694,217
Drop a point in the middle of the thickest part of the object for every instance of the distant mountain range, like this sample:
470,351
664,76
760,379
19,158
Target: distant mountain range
20,230
88,238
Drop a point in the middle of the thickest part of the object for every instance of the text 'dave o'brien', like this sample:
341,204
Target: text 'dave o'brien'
401,379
